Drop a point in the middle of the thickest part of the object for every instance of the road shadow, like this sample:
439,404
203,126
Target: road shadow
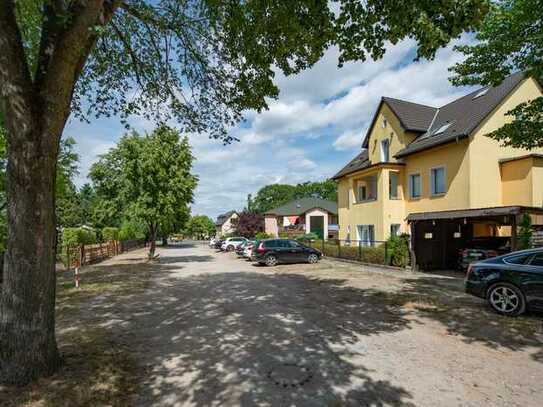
256,339
443,299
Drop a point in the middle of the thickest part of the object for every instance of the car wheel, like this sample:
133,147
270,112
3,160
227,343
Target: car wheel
271,260
506,299
230,248
312,258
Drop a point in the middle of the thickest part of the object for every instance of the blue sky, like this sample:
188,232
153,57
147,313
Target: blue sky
315,126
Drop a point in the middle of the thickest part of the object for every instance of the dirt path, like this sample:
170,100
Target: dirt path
214,330
200,328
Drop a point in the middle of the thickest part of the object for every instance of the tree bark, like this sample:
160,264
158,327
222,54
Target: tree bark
27,304
152,242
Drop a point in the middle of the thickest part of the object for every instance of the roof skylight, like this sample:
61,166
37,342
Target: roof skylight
441,129
481,93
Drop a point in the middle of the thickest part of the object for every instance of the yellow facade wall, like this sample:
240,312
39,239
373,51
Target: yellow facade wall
537,182
484,153
516,181
452,156
380,213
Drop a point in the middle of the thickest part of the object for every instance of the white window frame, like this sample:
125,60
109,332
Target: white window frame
358,197
432,180
368,240
410,185
383,142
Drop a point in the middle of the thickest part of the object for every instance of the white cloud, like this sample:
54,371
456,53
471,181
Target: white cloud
349,140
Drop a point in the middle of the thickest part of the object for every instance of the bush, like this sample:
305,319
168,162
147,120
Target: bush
77,236
398,250
110,233
131,230
262,235
307,237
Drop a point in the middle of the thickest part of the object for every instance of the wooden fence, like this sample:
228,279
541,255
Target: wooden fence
81,255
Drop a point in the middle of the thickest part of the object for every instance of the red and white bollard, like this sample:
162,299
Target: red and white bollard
76,275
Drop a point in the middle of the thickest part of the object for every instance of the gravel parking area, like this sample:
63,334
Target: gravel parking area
209,329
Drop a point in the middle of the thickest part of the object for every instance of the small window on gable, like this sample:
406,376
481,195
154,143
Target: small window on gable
384,123
385,150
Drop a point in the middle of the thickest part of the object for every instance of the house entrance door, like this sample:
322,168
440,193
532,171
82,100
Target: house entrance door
316,225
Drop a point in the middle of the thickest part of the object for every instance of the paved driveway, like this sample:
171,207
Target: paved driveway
213,330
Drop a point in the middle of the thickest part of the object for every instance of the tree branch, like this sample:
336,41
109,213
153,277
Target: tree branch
15,80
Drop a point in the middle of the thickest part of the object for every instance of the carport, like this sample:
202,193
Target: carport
437,237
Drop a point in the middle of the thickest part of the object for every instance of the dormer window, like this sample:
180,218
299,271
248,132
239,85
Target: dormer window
385,150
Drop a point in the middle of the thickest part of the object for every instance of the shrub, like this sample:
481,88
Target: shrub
110,233
373,255
525,232
131,230
77,236
262,235
283,235
398,250
307,237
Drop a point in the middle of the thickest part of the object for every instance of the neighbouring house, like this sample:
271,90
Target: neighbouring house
431,172
305,215
224,223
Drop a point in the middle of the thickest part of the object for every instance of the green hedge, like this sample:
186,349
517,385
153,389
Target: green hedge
110,233
77,236
131,230
307,237
262,236
373,255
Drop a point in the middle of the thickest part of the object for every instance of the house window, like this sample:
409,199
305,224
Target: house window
385,150
367,189
366,235
384,124
393,185
414,185
395,229
437,181
362,193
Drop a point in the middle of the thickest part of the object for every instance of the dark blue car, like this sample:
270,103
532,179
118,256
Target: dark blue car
511,283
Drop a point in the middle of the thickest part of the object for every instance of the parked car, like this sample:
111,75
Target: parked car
468,256
273,251
218,244
231,243
248,250
213,241
511,283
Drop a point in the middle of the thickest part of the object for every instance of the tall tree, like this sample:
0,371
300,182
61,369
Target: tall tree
203,62
200,226
152,176
509,40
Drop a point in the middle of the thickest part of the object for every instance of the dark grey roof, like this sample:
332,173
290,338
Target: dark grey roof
358,163
413,116
473,213
463,115
302,205
223,218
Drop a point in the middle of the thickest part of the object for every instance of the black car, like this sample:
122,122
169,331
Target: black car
511,283
273,251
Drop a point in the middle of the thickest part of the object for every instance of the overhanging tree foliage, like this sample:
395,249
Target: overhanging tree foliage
201,62
509,40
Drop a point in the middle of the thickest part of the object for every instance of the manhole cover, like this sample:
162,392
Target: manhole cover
290,375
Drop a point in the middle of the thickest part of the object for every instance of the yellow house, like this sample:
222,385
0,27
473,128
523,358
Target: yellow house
431,172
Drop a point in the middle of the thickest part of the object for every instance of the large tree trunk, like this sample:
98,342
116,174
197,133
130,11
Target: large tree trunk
27,317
